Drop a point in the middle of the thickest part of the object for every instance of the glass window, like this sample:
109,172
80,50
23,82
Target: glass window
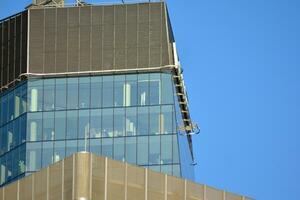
155,89
119,149
108,91
47,154
22,120
119,122
3,142
72,93
60,94
35,95
16,136
83,145
4,110
166,149
143,89
143,121
166,119
131,150
107,123
33,157
142,150
95,146
107,144
96,92
155,120
72,124
131,90
21,164
166,169
95,129
10,135
175,149
176,170
59,151
15,162
71,147
60,125
23,96
48,126
154,150
20,100
131,121
3,169
34,126
155,168
49,91
84,124
119,87
84,92
11,105
9,166
167,89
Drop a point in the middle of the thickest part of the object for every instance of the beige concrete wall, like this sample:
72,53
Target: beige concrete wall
85,176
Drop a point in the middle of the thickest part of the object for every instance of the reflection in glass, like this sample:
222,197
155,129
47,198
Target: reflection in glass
95,146
33,157
155,89
107,123
96,92
34,126
143,89
119,150
95,129
167,119
131,150
84,92
48,126
35,95
60,125
119,90
47,154
131,90
49,94
142,150
131,121
60,94
167,89
107,144
166,149
59,151
108,91
119,122
143,121
84,124
83,145
72,124
71,147
154,150
72,93
155,120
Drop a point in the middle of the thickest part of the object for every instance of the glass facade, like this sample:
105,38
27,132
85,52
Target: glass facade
131,118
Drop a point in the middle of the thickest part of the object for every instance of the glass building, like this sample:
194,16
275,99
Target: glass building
133,111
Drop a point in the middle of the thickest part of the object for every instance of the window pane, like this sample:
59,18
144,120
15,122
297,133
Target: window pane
107,144
107,123
131,90
84,92
166,149
34,126
119,150
15,162
48,126
131,121
95,146
175,149
119,90
60,94
155,89
9,166
167,117
21,164
10,134
4,110
143,89
119,122
49,91
23,130
16,136
60,125
71,147
167,89
83,145
33,157
84,123
72,93
176,170
142,150
143,121
107,91
166,169
154,148
95,129
35,95
96,92
47,154
59,151
131,150
155,120
72,124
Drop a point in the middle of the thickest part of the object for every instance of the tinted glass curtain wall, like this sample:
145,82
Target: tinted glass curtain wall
131,118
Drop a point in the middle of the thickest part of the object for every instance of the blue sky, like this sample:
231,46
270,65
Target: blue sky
241,61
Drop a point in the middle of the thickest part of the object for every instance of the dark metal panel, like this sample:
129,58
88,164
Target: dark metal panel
108,59
131,26
36,40
73,39
96,47
85,38
165,42
144,9
18,46
120,58
61,40
11,62
143,57
24,39
1,53
108,15
5,53
50,31
131,58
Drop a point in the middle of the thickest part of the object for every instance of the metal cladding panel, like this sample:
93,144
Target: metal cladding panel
18,46
5,53
50,41
24,41
11,51
99,38
1,53
61,52
36,40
